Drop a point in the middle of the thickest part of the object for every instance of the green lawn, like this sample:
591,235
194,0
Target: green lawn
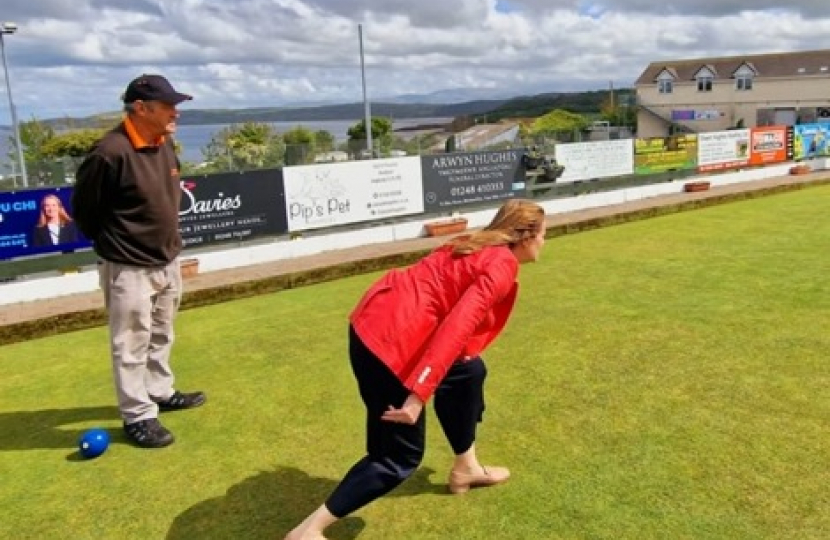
663,379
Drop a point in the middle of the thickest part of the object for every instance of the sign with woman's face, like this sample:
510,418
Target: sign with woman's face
37,221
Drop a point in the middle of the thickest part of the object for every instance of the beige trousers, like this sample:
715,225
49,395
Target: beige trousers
142,304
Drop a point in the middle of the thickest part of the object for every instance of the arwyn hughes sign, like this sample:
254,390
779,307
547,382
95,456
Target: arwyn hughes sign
464,178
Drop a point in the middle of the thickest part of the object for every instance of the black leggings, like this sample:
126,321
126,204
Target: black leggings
393,450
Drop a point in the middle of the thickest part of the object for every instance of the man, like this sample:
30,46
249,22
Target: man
126,200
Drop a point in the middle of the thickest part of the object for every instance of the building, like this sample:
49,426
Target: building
714,94
481,136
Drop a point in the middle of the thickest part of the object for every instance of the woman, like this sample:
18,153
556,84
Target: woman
419,332
54,226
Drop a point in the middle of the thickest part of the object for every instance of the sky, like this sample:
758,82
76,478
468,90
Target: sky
75,58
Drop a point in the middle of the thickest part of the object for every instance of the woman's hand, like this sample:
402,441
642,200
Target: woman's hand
407,414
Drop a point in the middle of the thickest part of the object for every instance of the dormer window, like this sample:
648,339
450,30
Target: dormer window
744,77
665,82
705,77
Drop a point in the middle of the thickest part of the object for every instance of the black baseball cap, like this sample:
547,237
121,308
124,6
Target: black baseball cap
153,88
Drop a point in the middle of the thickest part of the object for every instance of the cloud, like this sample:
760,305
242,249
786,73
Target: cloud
74,58
704,8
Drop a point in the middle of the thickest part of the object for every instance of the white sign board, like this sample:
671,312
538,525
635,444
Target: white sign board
597,159
722,149
338,194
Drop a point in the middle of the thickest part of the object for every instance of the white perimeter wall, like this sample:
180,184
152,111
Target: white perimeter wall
51,287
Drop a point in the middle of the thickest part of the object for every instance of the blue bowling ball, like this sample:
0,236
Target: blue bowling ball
93,443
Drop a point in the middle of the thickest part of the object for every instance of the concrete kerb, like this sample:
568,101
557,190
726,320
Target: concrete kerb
77,312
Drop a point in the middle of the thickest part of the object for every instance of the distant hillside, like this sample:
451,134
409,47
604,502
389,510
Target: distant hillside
576,102
347,111
493,109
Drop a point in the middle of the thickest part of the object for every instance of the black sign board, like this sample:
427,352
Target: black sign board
232,207
464,178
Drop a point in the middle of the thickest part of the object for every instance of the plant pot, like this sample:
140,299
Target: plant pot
696,186
800,169
443,228
190,267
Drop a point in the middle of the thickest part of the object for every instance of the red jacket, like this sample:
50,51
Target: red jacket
419,320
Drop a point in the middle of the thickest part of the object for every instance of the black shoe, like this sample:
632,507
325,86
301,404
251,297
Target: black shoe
149,433
179,401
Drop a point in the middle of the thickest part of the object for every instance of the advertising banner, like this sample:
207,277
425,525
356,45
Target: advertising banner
600,159
463,178
662,154
770,144
38,221
719,150
707,115
811,140
693,114
328,195
682,114
231,207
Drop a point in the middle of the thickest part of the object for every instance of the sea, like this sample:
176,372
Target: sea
194,138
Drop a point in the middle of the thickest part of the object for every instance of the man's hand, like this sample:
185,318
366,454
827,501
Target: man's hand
407,414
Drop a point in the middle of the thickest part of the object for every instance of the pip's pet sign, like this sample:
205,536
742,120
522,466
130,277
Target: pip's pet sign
328,195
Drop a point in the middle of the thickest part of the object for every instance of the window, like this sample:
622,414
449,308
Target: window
665,82
704,83
744,77
743,82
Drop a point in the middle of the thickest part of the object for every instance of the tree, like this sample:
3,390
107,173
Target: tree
616,110
251,145
381,134
324,141
43,165
71,147
33,135
300,145
557,123
558,120
72,144
381,126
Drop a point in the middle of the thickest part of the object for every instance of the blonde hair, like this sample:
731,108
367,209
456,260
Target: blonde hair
516,220
63,217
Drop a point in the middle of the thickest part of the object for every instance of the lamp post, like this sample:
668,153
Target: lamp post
366,107
11,28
